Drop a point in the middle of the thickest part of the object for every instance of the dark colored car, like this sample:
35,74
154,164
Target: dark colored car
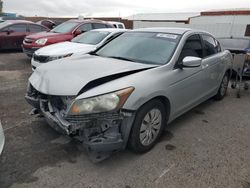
47,23
63,32
13,32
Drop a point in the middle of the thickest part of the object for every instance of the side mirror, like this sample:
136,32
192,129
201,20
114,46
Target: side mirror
191,62
77,32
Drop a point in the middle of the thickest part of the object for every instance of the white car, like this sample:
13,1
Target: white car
119,25
2,138
81,44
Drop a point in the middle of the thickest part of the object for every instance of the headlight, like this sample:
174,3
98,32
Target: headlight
41,41
102,103
52,58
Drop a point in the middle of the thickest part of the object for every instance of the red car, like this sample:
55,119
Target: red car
13,32
63,32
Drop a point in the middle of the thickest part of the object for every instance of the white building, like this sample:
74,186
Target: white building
221,23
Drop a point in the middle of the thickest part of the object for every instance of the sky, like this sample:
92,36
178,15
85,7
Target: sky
122,8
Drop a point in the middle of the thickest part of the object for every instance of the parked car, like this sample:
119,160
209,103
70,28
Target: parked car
12,33
127,91
63,32
81,44
47,23
119,25
2,139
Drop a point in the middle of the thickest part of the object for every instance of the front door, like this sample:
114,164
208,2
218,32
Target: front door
187,87
15,36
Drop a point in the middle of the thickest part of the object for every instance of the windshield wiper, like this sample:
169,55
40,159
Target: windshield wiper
121,58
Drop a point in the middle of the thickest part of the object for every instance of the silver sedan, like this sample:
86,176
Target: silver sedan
126,92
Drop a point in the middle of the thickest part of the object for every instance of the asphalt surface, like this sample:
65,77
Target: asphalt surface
207,147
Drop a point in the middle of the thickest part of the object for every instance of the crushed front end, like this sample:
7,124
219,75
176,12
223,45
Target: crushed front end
101,133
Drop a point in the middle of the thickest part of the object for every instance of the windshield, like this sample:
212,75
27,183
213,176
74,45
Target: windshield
91,37
142,47
65,27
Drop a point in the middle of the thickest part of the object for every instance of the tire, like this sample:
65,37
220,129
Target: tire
145,135
223,88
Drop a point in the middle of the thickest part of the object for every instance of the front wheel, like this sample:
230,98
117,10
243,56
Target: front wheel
148,126
223,88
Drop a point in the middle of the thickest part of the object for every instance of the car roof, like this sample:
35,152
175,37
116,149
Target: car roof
165,30
17,21
112,30
175,30
87,21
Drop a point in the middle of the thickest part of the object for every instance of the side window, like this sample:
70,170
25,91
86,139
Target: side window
192,47
109,26
18,28
210,46
85,27
217,46
99,26
120,26
36,28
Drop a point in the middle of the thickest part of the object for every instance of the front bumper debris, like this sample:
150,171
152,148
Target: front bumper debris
101,134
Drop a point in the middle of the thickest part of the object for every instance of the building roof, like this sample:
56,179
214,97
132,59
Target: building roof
182,16
222,12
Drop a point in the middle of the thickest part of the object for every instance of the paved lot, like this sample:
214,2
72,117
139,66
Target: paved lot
207,147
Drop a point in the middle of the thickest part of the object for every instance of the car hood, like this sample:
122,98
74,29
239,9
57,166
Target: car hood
45,35
64,48
64,78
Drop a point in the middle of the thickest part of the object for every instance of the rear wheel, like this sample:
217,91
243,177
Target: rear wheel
148,126
223,88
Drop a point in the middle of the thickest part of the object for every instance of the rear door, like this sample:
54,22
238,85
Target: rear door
15,36
212,64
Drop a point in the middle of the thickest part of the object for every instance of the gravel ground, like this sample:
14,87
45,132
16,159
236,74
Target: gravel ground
207,147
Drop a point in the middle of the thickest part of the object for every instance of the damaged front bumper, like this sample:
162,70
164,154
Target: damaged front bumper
100,133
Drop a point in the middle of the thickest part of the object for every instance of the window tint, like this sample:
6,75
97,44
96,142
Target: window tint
36,28
18,28
85,27
192,47
109,26
209,45
120,26
99,26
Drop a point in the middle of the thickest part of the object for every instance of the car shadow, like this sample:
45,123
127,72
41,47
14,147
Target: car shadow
11,51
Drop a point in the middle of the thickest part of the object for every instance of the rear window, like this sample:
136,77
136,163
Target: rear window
91,37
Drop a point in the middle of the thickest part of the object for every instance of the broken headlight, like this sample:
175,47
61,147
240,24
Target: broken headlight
102,103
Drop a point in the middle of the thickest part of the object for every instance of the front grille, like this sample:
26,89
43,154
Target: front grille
41,58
